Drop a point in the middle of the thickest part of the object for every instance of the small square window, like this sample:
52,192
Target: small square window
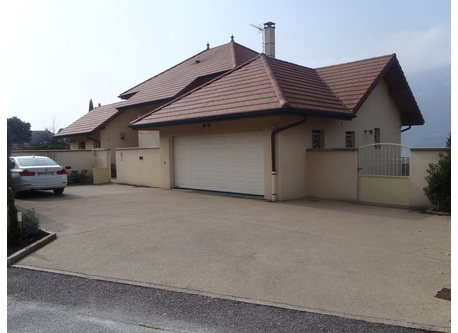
82,145
317,139
349,139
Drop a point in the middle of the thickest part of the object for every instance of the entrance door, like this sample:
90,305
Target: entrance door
383,174
229,162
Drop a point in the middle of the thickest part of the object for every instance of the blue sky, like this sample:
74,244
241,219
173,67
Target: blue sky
60,54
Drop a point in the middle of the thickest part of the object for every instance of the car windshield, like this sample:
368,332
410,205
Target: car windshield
33,161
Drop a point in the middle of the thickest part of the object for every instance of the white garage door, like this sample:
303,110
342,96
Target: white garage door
220,162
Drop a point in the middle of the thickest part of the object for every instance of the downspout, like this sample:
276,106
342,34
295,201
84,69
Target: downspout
272,141
406,129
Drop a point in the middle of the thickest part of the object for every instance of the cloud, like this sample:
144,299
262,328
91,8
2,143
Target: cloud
418,50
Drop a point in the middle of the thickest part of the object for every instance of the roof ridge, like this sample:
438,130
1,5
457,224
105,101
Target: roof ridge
196,89
233,53
170,68
330,89
357,61
109,104
273,80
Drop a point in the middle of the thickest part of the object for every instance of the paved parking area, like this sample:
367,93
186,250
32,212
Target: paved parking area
372,263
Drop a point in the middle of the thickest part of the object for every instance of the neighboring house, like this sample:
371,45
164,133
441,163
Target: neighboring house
107,126
247,131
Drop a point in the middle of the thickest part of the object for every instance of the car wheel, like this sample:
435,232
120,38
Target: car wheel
58,190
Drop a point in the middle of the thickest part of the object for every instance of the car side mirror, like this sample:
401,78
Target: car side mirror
11,164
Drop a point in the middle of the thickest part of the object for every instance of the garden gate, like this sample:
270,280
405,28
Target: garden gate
384,174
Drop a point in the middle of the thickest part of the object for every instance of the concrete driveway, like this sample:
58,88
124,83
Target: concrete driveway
372,263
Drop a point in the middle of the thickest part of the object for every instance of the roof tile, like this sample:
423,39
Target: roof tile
261,84
171,82
91,121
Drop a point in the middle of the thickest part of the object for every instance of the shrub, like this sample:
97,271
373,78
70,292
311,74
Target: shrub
78,177
30,223
13,231
439,180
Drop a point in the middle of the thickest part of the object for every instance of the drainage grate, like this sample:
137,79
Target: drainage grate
445,293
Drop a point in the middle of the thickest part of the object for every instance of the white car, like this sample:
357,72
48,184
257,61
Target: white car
37,173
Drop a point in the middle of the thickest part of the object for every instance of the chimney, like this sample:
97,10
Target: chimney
269,39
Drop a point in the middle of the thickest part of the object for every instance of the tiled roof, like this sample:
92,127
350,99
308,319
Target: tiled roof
351,81
261,85
92,121
170,83
354,81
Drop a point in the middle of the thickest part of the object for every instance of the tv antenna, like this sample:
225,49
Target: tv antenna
258,27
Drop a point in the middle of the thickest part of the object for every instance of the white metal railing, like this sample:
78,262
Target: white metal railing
384,159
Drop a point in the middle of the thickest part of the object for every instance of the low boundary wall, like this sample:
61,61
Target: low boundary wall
72,160
138,166
333,174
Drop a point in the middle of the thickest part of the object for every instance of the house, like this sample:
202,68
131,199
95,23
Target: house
231,120
107,126
248,130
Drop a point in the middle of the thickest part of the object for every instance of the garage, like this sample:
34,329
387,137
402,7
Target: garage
226,162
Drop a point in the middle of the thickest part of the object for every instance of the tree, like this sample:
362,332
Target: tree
13,230
18,131
439,180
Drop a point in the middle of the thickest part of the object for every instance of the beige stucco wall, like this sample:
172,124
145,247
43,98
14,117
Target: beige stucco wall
420,158
290,156
139,166
332,174
72,160
291,163
148,139
378,111
90,144
384,190
116,134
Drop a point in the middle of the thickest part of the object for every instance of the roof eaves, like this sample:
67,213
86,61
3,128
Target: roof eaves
250,114
374,83
244,115
57,135
406,114
141,104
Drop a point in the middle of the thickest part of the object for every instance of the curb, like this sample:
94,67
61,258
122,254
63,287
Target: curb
432,211
31,248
